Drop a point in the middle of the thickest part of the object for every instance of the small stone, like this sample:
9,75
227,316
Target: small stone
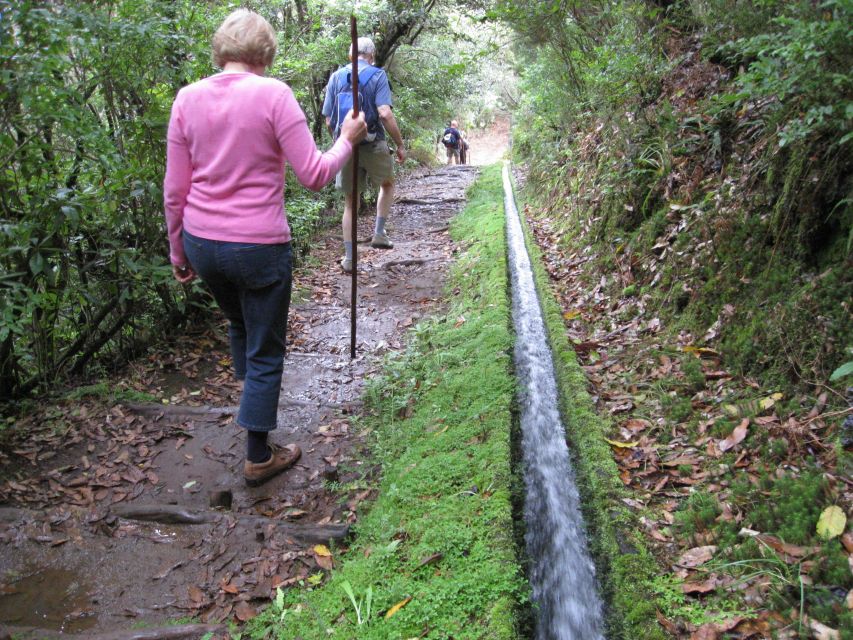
845,435
221,499
330,474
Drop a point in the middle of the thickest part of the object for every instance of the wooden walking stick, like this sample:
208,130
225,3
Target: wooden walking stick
354,217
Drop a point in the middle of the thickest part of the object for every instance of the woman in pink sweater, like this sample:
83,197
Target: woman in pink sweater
229,138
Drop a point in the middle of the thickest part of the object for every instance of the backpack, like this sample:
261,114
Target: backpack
343,101
451,138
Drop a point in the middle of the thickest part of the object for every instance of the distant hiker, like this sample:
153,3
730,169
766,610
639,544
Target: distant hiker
374,156
464,156
451,140
229,137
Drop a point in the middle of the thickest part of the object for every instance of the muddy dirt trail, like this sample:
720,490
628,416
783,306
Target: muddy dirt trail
134,514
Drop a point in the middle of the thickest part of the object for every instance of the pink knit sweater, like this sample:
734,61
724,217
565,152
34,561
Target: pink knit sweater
229,137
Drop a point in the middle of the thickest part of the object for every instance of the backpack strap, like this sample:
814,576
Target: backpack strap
364,77
345,86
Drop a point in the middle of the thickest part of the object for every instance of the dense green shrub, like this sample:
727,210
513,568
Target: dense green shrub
87,91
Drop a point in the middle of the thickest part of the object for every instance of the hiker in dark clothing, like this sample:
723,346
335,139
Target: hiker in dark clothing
451,139
464,156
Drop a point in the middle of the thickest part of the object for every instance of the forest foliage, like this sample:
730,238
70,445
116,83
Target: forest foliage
723,122
85,99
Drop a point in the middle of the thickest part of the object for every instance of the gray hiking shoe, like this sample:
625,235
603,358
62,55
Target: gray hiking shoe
381,241
346,264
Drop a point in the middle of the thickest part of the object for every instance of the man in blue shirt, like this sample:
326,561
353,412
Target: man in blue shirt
374,156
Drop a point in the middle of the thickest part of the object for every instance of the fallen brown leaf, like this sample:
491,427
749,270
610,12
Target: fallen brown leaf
637,424
666,624
196,594
819,630
397,607
244,611
430,560
700,587
735,437
790,553
697,556
323,557
712,630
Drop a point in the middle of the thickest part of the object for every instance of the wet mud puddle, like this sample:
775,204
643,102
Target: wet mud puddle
118,516
56,598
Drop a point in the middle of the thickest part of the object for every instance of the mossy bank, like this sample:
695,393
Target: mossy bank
435,555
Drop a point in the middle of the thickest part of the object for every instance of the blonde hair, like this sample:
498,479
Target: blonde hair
245,37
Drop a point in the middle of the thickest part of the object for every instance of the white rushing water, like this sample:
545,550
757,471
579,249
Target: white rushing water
562,574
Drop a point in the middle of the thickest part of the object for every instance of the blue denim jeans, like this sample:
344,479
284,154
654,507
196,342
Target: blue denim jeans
251,284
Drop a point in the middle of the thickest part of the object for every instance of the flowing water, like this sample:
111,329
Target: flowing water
562,574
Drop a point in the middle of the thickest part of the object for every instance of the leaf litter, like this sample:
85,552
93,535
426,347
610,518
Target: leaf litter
667,395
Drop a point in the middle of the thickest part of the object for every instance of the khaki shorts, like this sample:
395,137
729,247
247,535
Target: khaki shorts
452,152
374,162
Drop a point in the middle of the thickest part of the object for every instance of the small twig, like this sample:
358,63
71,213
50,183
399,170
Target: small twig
178,632
439,229
831,414
181,515
307,354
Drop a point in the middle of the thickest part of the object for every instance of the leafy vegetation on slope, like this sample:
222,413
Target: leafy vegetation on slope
690,185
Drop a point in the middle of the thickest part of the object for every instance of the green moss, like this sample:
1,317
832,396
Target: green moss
788,507
832,567
696,514
775,449
678,409
722,428
446,478
693,374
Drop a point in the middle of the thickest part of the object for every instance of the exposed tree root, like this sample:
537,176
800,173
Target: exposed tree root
177,514
407,263
178,632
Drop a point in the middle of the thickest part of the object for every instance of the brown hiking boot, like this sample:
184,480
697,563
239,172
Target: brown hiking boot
282,458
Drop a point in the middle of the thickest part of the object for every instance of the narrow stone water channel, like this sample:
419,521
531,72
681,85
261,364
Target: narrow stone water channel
562,574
